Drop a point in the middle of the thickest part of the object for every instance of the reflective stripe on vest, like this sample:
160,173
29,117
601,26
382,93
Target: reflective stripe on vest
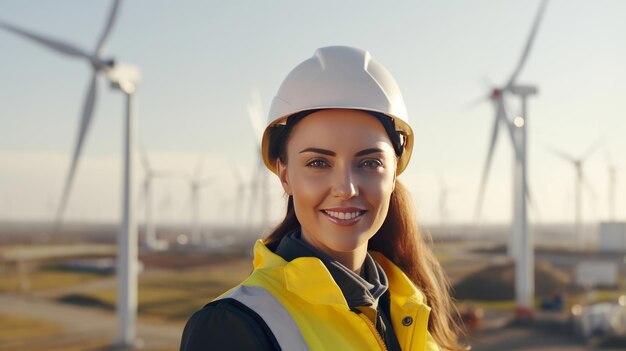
273,313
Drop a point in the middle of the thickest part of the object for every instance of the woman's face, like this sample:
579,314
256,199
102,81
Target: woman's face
341,172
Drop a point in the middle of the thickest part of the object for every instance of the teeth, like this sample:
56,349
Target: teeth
343,215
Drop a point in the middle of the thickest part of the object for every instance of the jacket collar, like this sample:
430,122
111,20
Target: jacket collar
358,290
399,283
308,278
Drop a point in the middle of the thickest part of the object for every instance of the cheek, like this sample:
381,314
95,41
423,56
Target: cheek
378,193
381,185
308,189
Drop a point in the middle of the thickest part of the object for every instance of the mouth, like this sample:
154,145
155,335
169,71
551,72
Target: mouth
344,216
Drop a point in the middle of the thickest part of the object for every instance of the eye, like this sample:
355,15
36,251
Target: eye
318,163
371,164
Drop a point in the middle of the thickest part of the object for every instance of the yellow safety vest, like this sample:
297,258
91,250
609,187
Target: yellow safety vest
306,310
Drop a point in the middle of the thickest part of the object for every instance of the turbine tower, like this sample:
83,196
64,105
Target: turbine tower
612,170
523,252
124,78
443,208
196,183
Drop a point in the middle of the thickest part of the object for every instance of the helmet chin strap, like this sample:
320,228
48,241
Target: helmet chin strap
398,138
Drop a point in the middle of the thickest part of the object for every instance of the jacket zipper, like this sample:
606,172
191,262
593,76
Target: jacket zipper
372,327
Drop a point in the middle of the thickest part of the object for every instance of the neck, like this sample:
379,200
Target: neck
353,259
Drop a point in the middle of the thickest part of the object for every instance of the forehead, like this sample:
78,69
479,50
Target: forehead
339,129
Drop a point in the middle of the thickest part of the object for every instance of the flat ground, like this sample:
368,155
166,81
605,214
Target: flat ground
171,288
175,284
542,335
45,325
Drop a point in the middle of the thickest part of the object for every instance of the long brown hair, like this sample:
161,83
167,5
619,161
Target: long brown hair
401,241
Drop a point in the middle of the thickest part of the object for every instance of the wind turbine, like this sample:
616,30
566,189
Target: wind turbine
522,253
150,174
612,170
125,78
196,183
577,163
239,192
258,184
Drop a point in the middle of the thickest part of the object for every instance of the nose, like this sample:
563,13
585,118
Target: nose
344,186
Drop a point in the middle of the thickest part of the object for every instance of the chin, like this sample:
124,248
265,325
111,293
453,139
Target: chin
348,244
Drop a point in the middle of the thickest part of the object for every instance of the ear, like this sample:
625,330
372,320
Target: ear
282,175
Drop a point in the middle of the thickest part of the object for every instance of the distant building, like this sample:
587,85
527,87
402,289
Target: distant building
597,274
612,237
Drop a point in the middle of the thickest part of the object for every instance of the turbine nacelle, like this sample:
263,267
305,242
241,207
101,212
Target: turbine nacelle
100,64
496,94
123,76
523,90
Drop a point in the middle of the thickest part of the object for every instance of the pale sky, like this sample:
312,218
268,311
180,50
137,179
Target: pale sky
201,60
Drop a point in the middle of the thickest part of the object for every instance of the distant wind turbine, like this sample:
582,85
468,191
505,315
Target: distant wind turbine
196,183
578,163
125,78
523,253
240,188
612,170
150,174
443,207
258,183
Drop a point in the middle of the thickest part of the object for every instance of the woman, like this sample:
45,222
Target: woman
337,139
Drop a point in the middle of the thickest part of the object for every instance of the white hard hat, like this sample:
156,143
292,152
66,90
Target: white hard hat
340,77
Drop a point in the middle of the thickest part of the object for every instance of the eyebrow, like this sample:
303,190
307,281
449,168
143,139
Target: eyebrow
332,153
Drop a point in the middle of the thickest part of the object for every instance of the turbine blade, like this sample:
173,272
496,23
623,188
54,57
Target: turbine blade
53,44
561,154
475,102
591,149
485,174
85,122
255,113
532,204
529,44
107,28
503,116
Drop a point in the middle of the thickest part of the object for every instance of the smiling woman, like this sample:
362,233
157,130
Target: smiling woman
347,269
340,172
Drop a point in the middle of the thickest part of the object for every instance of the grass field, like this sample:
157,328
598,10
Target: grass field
169,295
15,328
45,279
